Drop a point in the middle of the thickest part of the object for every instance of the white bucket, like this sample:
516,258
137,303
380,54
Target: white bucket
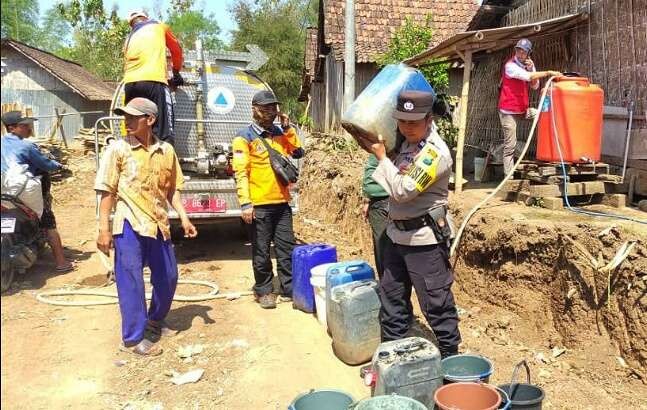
318,282
479,164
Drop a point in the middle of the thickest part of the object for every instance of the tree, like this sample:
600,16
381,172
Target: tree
20,20
276,26
411,39
190,25
54,32
98,37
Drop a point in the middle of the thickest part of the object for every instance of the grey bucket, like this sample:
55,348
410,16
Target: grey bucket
389,402
523,396
322,400
467,368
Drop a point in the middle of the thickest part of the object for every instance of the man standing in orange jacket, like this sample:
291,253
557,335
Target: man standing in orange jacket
264,200
145,72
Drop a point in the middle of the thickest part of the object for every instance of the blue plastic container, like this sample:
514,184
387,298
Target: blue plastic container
304,258
346,272
372,111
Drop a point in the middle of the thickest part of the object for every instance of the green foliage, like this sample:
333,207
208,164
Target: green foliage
54,33
278,27
447,131
98,37
20,20
412,39
190,25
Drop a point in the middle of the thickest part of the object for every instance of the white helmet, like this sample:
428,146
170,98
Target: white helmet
133,14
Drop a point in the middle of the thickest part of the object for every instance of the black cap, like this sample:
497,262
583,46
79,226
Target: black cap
16,117
264,97
413,105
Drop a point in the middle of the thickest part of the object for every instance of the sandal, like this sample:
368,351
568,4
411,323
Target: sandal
143,348
160,328
65,268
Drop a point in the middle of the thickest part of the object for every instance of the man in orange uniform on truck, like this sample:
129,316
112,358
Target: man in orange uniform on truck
263,198
145,68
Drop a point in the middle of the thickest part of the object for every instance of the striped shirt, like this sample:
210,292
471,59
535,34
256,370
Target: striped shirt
144,181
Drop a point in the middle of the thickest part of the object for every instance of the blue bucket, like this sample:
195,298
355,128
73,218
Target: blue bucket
322,400
467,368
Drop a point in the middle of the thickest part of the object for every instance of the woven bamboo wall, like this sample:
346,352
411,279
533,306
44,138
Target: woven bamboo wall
610,48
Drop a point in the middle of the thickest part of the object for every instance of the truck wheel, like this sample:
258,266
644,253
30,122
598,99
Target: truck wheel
8,270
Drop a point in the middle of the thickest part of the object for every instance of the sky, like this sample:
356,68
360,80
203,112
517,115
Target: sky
220,8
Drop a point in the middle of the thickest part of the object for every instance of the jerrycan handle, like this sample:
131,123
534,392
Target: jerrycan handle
320,246
409,347
355,266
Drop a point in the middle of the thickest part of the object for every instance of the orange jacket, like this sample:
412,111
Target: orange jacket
256,182
145,52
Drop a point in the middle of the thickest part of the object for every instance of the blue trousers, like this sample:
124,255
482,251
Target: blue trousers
132,253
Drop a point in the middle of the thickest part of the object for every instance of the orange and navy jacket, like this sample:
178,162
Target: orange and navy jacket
256,182
145,52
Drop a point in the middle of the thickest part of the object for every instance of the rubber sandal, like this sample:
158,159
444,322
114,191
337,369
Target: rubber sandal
143,348
161,328
66,268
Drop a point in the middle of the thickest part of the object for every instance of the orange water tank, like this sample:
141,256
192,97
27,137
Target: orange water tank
577,106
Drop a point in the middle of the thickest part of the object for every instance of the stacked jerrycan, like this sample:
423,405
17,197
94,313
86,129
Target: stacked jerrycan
304,258
352,309
408,367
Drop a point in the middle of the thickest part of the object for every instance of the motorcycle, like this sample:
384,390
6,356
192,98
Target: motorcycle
22,239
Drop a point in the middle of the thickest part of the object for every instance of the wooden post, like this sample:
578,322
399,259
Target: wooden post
467,62
59,121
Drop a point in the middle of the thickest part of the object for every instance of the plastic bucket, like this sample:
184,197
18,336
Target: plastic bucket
467,396
389,402
467,368
318,282
479,164
524,396
322,400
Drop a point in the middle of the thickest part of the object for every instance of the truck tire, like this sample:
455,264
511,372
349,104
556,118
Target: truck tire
8,270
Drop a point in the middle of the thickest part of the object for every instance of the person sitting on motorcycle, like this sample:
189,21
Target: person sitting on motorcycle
15,149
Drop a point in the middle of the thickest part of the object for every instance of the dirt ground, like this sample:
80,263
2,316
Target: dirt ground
524,290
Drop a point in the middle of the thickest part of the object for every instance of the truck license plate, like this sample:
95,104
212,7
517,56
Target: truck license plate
8,225
199,203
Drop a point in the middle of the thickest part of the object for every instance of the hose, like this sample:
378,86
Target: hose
44,297
563,166
507,177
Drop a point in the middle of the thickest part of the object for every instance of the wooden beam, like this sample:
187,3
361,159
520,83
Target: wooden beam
460,145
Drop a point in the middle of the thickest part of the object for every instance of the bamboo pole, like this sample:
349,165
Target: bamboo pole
467,69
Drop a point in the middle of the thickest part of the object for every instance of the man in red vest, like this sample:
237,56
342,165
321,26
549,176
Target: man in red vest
513,98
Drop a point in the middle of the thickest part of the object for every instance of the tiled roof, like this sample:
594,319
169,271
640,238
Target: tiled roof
72,74
377,20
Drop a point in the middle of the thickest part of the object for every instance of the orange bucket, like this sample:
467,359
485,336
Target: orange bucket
467,396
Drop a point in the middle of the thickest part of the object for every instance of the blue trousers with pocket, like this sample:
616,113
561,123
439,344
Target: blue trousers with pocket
132,253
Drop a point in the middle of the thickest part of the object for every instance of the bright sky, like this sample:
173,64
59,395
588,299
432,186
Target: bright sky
220,8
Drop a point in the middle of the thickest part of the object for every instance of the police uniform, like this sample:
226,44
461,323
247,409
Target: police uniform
418,255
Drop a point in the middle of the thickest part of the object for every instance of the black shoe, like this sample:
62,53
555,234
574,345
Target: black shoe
448,352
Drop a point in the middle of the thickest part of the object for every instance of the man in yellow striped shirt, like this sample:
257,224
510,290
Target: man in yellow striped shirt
141,174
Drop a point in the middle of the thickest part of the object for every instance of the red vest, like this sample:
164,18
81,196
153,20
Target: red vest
514,93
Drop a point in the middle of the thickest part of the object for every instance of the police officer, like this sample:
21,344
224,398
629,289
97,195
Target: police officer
417,182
